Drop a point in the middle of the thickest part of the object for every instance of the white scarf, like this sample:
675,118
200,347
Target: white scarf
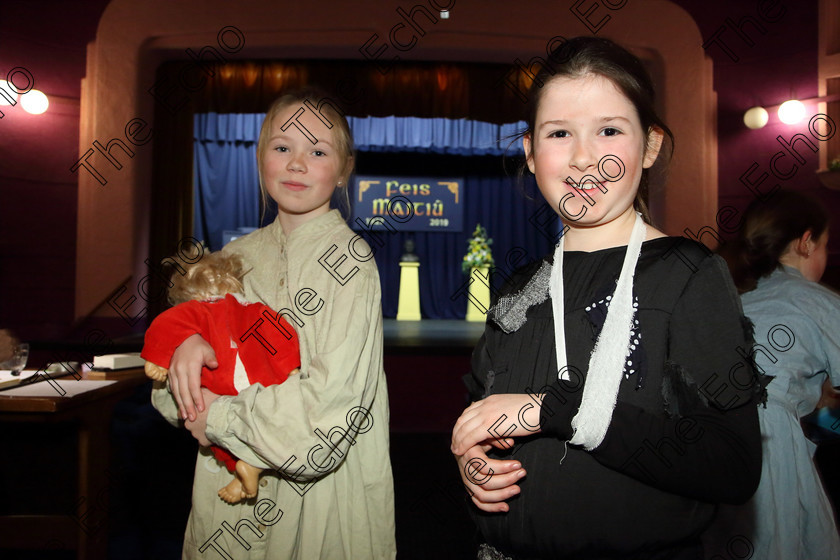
606,364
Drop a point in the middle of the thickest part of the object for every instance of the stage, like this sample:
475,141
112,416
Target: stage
424,363
449,336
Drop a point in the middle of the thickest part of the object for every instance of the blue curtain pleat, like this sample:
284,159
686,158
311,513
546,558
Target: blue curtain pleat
439,136
217,127
227,197
227,188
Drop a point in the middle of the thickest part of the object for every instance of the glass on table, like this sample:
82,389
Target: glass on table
18,361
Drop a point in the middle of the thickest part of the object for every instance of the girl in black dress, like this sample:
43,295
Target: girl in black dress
614,431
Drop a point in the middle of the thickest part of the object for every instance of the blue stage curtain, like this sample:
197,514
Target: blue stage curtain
227,197
440,136
227,187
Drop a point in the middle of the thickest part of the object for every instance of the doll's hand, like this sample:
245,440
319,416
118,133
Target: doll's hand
185,374
198,427
498,418
490,482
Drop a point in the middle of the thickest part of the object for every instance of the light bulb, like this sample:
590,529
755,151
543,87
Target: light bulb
791,112
34,102
756,117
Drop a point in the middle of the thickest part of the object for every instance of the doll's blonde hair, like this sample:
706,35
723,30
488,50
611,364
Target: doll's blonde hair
216,274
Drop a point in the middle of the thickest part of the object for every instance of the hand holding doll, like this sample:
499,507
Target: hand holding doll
208,301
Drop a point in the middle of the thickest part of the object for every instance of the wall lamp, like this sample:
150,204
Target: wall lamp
790,112
33,101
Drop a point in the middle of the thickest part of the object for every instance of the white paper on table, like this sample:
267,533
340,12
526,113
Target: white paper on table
70,387
6,374
27,376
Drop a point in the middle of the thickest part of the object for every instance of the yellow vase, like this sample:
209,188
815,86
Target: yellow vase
479,294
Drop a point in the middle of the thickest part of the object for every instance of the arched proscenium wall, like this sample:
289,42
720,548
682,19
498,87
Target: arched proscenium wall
135,37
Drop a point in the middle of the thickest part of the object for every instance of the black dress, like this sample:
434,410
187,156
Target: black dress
684,433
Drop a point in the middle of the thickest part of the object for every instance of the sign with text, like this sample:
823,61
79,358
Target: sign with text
437,204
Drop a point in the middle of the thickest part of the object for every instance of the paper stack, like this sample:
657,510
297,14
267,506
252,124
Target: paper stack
118,361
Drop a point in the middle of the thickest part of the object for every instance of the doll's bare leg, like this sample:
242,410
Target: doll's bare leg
244,484
156,372
232,493
250,477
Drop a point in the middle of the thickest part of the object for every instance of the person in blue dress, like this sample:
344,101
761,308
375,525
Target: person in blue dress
776,263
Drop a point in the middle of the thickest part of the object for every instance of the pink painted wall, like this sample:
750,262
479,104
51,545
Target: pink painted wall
38,194
782,64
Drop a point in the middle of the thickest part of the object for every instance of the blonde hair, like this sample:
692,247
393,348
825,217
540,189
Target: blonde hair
341,133
216,274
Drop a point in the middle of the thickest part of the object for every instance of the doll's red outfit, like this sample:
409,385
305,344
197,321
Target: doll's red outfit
266,344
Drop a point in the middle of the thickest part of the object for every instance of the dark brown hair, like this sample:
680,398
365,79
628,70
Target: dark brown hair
583,56
768,228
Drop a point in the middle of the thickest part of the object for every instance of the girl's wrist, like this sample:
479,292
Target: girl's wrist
556,413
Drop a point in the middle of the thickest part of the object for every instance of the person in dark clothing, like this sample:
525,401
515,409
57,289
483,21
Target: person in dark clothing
614,432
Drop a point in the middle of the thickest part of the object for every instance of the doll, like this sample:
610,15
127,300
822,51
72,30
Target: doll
208,301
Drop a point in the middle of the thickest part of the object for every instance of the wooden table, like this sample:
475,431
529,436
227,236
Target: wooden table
91,412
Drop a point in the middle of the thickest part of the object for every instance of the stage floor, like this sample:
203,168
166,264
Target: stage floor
452,335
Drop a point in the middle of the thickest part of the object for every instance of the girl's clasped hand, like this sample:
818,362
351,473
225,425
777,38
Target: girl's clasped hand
491,482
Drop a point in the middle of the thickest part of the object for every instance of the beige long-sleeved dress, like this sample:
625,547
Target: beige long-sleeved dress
324,433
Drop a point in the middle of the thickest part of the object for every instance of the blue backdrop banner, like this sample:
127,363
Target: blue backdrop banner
416,203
